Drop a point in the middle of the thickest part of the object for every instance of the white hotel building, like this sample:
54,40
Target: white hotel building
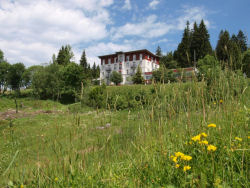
126,63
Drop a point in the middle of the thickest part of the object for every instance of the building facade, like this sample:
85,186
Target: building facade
127,63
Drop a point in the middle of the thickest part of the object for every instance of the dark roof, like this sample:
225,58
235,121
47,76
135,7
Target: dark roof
135,51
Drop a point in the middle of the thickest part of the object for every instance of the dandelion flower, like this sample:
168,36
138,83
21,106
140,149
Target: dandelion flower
196,138
185,168
203,142
211,125
204,135
221,101
21,186
56,179
179,154
214,103
177,166
237,138
248,137
211,148
186,158
175,159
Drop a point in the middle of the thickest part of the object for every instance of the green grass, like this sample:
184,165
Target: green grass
68,149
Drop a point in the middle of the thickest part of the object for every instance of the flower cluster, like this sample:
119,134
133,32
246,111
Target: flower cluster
181,157
201,139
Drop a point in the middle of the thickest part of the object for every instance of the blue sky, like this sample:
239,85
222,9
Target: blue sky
33,30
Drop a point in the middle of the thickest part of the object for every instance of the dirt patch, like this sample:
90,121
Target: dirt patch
11,113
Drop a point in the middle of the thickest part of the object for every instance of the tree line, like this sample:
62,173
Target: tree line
230,52
61,79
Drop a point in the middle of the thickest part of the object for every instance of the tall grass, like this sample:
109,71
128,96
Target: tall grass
76,149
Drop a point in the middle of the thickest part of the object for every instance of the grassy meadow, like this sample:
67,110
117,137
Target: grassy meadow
163,141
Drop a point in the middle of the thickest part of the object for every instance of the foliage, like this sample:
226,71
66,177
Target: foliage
163,75
222,46
135,147
246,63
200,45
4,71
183,50
116,77
158,51
138,78
15,76
168,61
83,61
65,55
1,56
46,82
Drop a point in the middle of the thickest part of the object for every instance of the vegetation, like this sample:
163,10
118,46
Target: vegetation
116,77
167,134
138,78
181,134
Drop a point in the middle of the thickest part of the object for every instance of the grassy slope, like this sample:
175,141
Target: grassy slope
65,149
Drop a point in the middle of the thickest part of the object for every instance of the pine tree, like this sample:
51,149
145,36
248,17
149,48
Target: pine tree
200,45
183,50
158,51
194,46
94,73
137,78
1,56
83,61
242,41
223,45
205,46
65,55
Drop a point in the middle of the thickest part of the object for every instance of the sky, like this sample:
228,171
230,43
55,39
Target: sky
33,30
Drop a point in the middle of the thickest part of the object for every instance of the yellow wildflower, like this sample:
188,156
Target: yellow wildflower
211,148
221,101
248,137
204,135
237,138
203,142
21,186
171,157
186,158
196,138
175,159
185,168
179,154
177,166
56,179
211,125
214,103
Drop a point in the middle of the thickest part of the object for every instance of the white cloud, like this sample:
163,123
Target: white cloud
127,5
153,4
192,14
35,29
151,27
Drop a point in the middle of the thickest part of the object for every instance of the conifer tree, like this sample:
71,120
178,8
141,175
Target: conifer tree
200,45
83,61
158,51
65,55
183,50
137,78
1,56
223,45
242,41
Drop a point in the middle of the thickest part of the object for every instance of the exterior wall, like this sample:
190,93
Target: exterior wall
127,64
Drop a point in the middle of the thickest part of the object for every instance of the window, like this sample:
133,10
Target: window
134,57
103,61
115,59
109,60
140,56
127,58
